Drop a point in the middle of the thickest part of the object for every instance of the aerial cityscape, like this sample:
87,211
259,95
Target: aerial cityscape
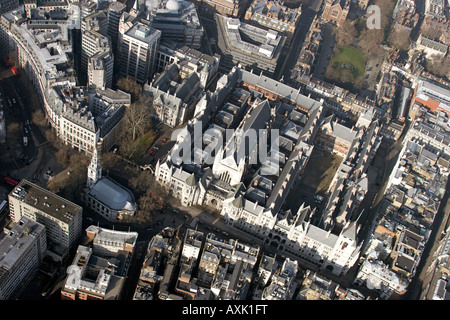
251,150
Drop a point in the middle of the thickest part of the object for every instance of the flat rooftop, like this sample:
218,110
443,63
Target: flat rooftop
46,201
18,241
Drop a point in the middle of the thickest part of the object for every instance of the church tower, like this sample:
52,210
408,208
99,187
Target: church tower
94,170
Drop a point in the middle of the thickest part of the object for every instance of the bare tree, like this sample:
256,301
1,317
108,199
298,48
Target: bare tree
346,33
439,66
62,157
431,33
399,39
110,160
129,85
137,117
13,129
38,118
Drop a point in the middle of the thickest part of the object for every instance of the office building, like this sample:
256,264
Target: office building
94,41
178,21
8,5
22,249
62,219
100,70
248,46
175,94
139,46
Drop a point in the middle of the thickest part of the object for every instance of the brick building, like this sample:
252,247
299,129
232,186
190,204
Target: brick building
336,11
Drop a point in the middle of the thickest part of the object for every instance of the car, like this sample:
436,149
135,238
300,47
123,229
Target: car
13,100
164,140
175,211
318,198
26,130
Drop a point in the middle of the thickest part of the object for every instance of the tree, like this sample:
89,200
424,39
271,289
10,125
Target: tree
431,33
62,157
110,160
346,76
13,129
399,39
129,85
371,39
70,183
38,118
439,66
137,117
346,33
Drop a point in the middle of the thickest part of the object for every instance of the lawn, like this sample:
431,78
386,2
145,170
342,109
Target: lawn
142,144
320,170
350,58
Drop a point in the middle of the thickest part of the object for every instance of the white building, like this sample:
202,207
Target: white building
22,250
138,49
94,39
100,70
105,196
62,219
43,52
175,94
376,275
107,242
256,206
91,277
282,285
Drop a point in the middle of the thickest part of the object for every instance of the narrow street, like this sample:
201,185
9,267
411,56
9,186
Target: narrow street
284,69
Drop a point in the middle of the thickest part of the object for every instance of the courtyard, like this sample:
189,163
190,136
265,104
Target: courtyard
318,174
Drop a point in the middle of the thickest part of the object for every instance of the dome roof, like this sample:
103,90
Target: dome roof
172,5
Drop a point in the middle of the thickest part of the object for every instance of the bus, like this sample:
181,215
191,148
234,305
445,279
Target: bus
11,182
14,71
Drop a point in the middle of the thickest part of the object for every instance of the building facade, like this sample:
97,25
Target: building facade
336,11
105,196
274,15
175,94
138,49
245,100
23,249
62,219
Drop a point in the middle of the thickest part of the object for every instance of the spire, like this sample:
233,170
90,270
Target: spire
94,169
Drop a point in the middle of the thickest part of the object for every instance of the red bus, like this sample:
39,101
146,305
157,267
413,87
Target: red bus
10,181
